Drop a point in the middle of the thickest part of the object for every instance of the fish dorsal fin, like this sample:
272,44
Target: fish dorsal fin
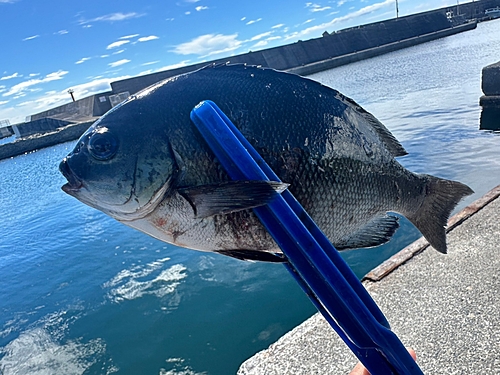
384,134
377,232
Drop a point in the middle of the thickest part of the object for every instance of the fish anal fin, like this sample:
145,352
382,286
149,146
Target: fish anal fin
231,196
441,197
376,232
254,255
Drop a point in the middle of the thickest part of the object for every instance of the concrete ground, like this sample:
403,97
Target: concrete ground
446,307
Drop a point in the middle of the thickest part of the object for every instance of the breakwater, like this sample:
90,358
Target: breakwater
38,141
379,50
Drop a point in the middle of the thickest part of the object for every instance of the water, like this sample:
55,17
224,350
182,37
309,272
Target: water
81,293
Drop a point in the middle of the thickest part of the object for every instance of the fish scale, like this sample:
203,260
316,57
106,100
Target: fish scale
145,164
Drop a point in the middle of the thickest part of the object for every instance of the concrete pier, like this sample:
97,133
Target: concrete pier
446,307
490,101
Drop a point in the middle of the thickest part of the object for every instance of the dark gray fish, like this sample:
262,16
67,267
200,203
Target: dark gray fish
145,164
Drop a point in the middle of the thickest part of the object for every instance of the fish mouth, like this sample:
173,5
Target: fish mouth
76,188
74,184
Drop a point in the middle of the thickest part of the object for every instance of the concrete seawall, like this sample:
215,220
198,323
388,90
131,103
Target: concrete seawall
377,51
38,141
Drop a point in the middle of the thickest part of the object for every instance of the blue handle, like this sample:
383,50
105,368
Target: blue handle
312,260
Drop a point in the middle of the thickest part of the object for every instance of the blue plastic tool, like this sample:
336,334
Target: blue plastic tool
312,259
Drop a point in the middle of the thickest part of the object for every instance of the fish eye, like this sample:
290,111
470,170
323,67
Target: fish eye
102,145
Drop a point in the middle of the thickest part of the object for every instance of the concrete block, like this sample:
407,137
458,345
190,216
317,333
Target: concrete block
491,80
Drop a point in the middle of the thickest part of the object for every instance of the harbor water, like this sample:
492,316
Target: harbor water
83,294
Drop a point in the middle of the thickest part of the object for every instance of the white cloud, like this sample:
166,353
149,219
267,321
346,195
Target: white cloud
208,44
318,29
187,13
2,102
317,8
82,60
200,8
51,99
254,21
129,36
118,63
21,88
150,63
243,18
260,36
143,73
278,26
261,43
113,17
167,67
147,38
117,44
62,32
15,75
34,74
31,37
118,52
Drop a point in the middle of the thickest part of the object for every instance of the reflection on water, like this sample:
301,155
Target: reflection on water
138,281
43,350
83,294
490,118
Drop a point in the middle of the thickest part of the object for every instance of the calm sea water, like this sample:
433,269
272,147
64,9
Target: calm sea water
83,294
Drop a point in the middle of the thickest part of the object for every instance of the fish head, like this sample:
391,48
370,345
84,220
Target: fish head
123,164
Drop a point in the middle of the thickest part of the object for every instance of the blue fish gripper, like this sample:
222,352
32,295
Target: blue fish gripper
312,260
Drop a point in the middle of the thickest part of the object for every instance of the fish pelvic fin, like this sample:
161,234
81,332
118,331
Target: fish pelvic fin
254,255
441,197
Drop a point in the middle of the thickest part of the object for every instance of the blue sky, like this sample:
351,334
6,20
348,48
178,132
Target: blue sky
48,47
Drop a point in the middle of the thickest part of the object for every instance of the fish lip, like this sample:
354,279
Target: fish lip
74,184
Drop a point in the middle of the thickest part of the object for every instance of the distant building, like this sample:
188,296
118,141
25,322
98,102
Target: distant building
5,129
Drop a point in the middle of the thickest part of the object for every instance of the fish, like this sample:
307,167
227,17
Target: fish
144,164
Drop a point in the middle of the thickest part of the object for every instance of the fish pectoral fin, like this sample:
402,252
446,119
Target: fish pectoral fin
376,232
254,255
232,196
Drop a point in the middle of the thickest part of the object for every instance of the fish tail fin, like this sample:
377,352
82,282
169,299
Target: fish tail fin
441,197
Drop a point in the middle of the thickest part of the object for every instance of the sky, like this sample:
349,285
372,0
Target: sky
48,47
